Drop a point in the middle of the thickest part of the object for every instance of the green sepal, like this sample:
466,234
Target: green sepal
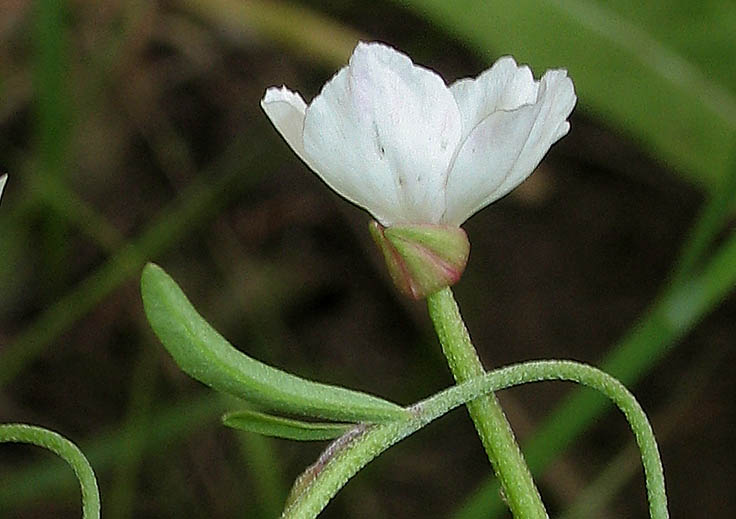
422,258
202,353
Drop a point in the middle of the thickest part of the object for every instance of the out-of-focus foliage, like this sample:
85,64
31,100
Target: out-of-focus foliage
662,72
132,132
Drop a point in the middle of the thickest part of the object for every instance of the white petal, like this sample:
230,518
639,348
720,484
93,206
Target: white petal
504,86
484,161
556,99
504,149
3,179
286,111
382,133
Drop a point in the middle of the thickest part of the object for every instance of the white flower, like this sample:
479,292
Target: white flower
391,137
3,179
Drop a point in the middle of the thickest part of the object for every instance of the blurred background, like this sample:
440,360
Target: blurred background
132,131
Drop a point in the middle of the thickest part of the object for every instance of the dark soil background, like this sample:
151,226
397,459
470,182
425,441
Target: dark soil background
285,269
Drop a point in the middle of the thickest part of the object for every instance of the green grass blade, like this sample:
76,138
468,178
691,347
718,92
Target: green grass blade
620,470
51,74
670,318
264,471
706,228
53,120
198,202
120,498
664,99
202,353
281,427
303,31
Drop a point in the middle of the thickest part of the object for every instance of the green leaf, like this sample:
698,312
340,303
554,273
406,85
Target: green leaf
205,355
661,81
281,427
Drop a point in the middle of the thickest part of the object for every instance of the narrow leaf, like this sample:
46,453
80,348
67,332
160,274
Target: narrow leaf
281,427
205,355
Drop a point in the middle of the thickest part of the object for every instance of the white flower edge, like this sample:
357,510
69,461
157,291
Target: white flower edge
3,180
392,138
519,120
378,158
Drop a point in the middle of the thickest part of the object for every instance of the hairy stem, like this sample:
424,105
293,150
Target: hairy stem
347,455
21,433
490,421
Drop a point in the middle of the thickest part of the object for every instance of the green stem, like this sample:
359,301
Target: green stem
348,454
20,433
490,421
675,312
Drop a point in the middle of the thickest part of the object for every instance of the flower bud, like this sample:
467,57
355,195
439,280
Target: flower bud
422,258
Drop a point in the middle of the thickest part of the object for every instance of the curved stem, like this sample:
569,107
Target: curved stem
21,433
357,448
490,421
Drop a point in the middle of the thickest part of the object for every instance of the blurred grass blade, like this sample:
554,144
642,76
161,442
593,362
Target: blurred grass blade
67,206
205,355
622,469
674,314
264,469
121,495
54,123
707,226
304,31
51,73
287,428
678,110
198,202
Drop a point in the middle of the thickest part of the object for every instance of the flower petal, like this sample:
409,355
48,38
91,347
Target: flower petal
3,179
286,110
485,160
556,100
382,133
503,150
504,86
